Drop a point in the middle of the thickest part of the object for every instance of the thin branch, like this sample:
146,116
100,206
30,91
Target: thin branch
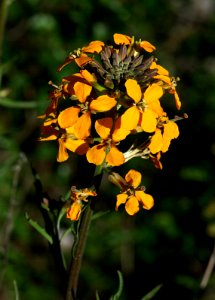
209,270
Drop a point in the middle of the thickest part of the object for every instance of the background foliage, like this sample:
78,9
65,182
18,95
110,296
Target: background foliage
169,245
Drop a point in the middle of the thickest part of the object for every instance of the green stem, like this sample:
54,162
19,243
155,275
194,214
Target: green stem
77,259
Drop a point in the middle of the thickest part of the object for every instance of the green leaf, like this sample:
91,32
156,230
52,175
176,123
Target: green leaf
39,229
6,102
152,293
120,287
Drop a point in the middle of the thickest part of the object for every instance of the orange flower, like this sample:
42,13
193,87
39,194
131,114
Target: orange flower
127,40
146,108
78,196
168,82
107,150
76,131
132,195
161,140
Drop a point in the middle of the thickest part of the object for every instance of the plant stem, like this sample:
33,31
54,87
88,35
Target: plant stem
77,259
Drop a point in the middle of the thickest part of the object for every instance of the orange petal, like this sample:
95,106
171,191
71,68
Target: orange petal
82,60
115,157
129,119
82,91
146,199
155,106
94,46
149,121
73,213
62,152
103,103
161,70
96,154
132,206
103,127
147,46
78,146
121,199
120,134
153,93
156,142
83,126
171,130
133,90
88,76
121,39
68,117
177,100
133,178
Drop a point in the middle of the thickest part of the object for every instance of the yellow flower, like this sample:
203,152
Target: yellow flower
161,140
146,107
78,196
127,40
106,150
132,195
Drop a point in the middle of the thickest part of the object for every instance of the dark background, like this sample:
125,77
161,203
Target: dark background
169,245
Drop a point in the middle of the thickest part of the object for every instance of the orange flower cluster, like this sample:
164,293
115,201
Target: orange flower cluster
115,93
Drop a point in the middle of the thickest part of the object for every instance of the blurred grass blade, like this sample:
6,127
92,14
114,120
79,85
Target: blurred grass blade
97,296
6,102
16,290
152,293
120,288
39,229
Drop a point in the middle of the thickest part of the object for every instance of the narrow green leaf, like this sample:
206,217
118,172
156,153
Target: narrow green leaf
152,293
6,102
39,229
120,287
97,296
99,215
16,290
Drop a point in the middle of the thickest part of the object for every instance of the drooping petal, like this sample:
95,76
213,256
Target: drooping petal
177,100
96,154
146,199
156,142
73,213
93,47
129,118
148,121
82,91
147,46
132,206
115,157
121,39
133,178
103,127
82,60
121,199
133,90
82,126
62,152
103,103
68,117
153,93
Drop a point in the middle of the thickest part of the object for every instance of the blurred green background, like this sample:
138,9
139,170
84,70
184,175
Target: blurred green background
169,245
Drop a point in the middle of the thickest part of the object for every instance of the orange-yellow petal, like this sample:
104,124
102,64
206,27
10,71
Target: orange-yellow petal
148,121
133,90
177,100
73,213
78,146
121,199
103,103
129,118
146,199
82,60
133,178
161,70
88,76
119,134
68,117
171,130
96,154
62,152
121,39
132,205
82,91
115,157
93,47
103,127
147,46
156,142
153,93
82,126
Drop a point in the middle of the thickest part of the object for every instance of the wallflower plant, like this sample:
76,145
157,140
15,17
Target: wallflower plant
114,98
